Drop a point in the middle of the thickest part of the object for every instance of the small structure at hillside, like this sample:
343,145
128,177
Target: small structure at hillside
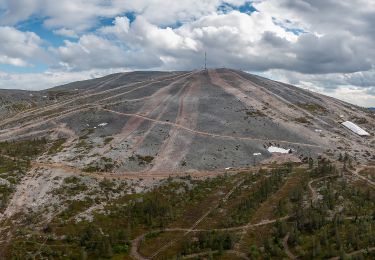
275,149
355,128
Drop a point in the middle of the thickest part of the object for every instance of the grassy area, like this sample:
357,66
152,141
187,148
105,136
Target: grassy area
302,120
20,106
126,217
15,159
280,204
153,241
368,173
23,149
57,146
107,140
312,107
316,230
254,113
104,164
145,159
359,120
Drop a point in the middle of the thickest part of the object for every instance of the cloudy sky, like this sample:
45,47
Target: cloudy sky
324,45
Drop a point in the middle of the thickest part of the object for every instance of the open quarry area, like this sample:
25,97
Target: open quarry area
208,164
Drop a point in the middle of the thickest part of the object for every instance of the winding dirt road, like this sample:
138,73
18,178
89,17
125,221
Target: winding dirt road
359,169
313,192
81,96
136,242
286,247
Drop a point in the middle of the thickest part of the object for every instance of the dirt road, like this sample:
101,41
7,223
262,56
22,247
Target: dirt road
358,170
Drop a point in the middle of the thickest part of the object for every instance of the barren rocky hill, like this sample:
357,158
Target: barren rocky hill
184,121
187,143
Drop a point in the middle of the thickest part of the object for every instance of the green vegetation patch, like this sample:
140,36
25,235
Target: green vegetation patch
145,158
14,163
359,120
57,146
312,107
71,186
303,120
20,106
84,145
105,164
23,149
341,221
57,94
214,241
255,113
247,205
107,140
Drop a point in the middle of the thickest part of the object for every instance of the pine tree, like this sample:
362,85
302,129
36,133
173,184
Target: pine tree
83,254
311,163
105,249
254,253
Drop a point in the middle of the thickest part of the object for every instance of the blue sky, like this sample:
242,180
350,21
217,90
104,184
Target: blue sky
305,43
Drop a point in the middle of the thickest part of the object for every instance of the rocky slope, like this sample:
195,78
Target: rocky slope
184,121
83,145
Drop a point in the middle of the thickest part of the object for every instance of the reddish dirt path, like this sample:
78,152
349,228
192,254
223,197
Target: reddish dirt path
277,110
136,242
365,250
313,192
263,98
105,82
174,149
160,100
141,87
140,139
198,221
286,247
197,255
289,109
37,111
358,170
206,133
63,129
10,132
135,175
280,101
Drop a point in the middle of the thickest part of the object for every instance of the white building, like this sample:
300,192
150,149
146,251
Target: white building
355,128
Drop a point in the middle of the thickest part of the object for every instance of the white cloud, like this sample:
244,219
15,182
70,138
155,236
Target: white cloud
322,44
322,16
48,79
78,14
66,33
120,27
231,38
12,61
84,14
90,51
94,52
356,88
170,12
17,48
17,10
362,97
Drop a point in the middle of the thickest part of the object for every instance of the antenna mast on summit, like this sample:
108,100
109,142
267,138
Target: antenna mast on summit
205,61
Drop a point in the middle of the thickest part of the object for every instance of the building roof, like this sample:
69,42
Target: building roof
355,128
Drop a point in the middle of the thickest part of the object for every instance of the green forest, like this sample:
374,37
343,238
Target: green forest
309,211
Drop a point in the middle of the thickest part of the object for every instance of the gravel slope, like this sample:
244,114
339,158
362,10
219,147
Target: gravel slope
184,121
